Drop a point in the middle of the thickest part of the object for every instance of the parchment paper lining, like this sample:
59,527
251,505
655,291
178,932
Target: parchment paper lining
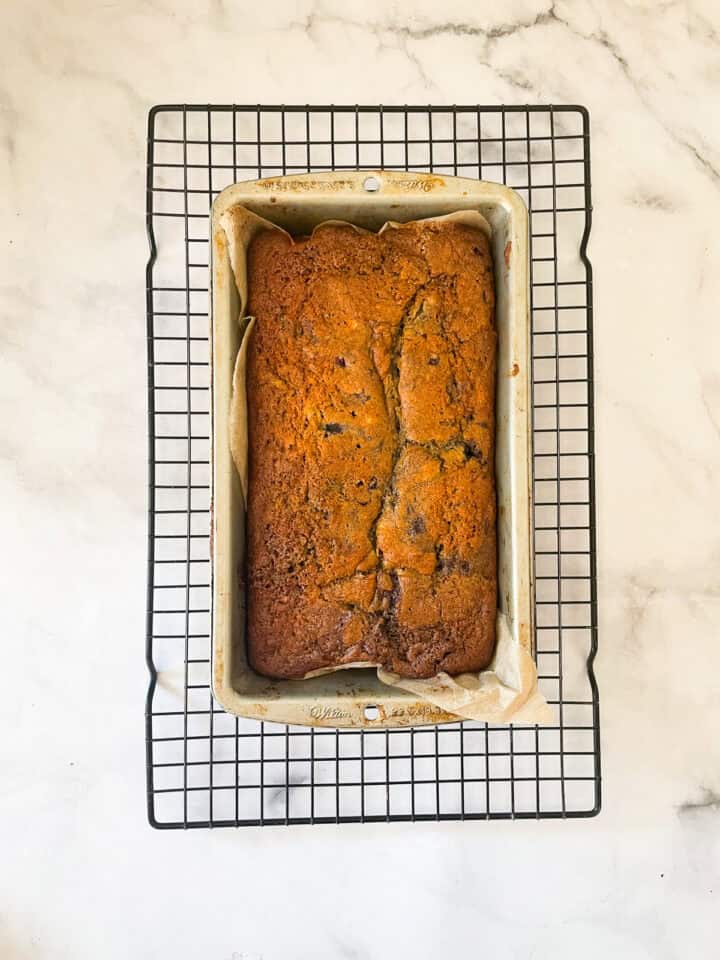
504,692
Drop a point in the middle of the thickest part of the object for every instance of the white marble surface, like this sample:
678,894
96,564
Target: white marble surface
82,875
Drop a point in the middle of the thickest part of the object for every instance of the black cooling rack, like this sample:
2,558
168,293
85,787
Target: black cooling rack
206,768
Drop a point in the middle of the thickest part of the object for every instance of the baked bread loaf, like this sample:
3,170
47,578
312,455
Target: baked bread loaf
371,398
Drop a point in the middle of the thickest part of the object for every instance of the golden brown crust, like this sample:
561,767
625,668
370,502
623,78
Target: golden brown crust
371,396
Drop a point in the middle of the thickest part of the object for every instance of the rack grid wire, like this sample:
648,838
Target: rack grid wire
206,768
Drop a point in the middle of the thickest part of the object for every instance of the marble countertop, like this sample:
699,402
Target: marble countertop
83,876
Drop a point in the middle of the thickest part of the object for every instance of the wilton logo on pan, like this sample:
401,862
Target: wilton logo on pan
329,713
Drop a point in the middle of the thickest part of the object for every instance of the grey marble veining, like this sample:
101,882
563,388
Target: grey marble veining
83,876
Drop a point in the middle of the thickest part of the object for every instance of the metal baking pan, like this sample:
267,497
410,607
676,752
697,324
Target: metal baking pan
356,697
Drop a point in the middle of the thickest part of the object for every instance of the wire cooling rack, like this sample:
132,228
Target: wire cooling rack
206,768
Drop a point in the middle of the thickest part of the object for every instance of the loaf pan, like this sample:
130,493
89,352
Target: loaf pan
356,697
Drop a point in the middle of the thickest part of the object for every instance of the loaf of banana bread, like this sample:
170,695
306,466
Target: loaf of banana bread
371,399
